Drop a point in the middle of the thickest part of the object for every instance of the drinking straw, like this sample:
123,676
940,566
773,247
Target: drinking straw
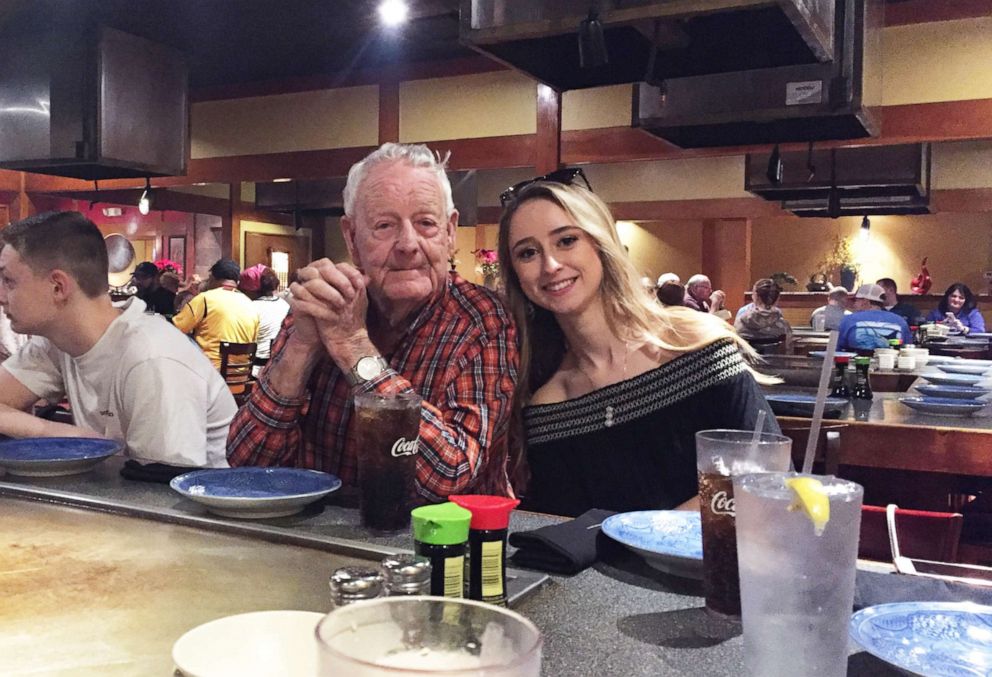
821,400
758,428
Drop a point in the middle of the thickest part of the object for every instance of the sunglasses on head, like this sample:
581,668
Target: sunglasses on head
565,177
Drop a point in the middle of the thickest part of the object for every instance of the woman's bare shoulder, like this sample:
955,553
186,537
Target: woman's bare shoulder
552,392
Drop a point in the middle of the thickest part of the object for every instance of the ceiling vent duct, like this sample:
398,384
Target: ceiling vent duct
98,104
326,196
804,102
846,181
675,38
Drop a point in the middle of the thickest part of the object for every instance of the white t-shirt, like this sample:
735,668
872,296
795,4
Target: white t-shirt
144,383
272,311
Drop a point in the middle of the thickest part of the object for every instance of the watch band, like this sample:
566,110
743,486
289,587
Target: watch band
366,369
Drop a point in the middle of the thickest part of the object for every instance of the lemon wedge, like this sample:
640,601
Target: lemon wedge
811,499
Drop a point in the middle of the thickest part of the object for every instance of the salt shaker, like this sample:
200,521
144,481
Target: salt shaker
407,575
354,584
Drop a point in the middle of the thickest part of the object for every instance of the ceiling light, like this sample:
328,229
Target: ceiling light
865,227
281,180
392,13
145,203
592,42
775,166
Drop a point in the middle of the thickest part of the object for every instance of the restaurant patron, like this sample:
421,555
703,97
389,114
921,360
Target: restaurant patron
128,375
393,321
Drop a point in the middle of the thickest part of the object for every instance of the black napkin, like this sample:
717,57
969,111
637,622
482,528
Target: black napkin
152,472
565,548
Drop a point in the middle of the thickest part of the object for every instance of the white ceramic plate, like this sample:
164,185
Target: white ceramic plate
256,644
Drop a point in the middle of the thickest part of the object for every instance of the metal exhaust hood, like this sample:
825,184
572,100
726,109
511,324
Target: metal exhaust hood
805,102
846,181
693,37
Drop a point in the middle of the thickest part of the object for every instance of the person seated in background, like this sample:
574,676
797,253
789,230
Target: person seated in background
187,290
647,284
666,278
613,387
156,297
762,319
671,294
272,309
700,295
128,376
870,326
394,321
169,281
10,340
829,317
222,313
958,310
894,305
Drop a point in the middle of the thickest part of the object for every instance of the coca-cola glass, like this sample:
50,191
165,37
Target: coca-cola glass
720,455
387,432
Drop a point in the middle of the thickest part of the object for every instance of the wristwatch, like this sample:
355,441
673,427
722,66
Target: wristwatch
366,369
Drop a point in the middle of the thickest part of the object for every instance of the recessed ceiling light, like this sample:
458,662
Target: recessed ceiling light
393,12
281,180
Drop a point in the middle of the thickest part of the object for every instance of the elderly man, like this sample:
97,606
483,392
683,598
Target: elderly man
394,321
700,295
870,326
129,376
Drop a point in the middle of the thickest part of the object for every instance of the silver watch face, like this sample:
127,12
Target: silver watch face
368,368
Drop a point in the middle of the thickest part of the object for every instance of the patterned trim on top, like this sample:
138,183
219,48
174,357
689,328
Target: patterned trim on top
628,400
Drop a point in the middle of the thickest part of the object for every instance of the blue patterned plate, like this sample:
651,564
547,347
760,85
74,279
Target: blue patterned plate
936,639
943,379
955,392
669,540
802,405
55,456
943,406
255,493
962,367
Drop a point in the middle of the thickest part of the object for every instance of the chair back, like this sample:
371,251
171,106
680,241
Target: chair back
774,345
235,367
922,534
826,457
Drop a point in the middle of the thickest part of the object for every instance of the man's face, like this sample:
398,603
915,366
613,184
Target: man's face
701,291
862,304
142,282
891,298
400,236
25,297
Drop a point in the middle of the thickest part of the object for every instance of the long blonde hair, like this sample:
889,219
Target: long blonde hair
631,314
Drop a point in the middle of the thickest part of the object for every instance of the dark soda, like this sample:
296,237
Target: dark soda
721,582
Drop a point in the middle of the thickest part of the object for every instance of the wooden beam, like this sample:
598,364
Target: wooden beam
230,231
925,11
962,200
547,145
403,72
10,181
726,257
389,110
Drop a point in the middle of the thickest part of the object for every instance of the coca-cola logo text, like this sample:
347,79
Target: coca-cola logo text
403,448
721,504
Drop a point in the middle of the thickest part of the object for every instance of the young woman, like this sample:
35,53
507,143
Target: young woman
958,310
615,386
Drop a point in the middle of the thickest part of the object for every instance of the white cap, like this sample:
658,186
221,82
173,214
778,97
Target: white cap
872,292
665,278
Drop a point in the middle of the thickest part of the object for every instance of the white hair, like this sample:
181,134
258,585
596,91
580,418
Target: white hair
415,155
698,278
665,278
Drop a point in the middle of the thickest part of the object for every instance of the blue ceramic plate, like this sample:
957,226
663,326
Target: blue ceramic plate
942,379
937,639
669,540
943,406
962,367
255,493
954,392
823,353
54,456
802,405
981,334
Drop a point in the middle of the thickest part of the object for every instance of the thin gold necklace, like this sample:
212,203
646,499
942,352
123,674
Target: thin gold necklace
609,411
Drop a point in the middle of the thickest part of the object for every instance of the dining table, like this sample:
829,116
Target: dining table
617,617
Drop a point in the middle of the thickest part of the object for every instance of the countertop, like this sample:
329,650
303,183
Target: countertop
619,617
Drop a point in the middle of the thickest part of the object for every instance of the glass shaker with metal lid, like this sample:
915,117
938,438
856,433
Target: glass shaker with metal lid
407,574
354,584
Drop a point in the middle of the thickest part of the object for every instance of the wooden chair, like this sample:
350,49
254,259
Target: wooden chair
826,457
235,366
922,534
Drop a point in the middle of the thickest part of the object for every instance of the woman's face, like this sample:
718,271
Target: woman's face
556,261
955,301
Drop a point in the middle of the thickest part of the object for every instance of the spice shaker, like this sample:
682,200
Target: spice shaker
406,574
440,533
485,567
354,584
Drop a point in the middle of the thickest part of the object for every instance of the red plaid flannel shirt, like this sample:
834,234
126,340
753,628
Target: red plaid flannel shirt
460,354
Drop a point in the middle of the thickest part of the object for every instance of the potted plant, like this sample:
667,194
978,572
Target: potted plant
841,260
